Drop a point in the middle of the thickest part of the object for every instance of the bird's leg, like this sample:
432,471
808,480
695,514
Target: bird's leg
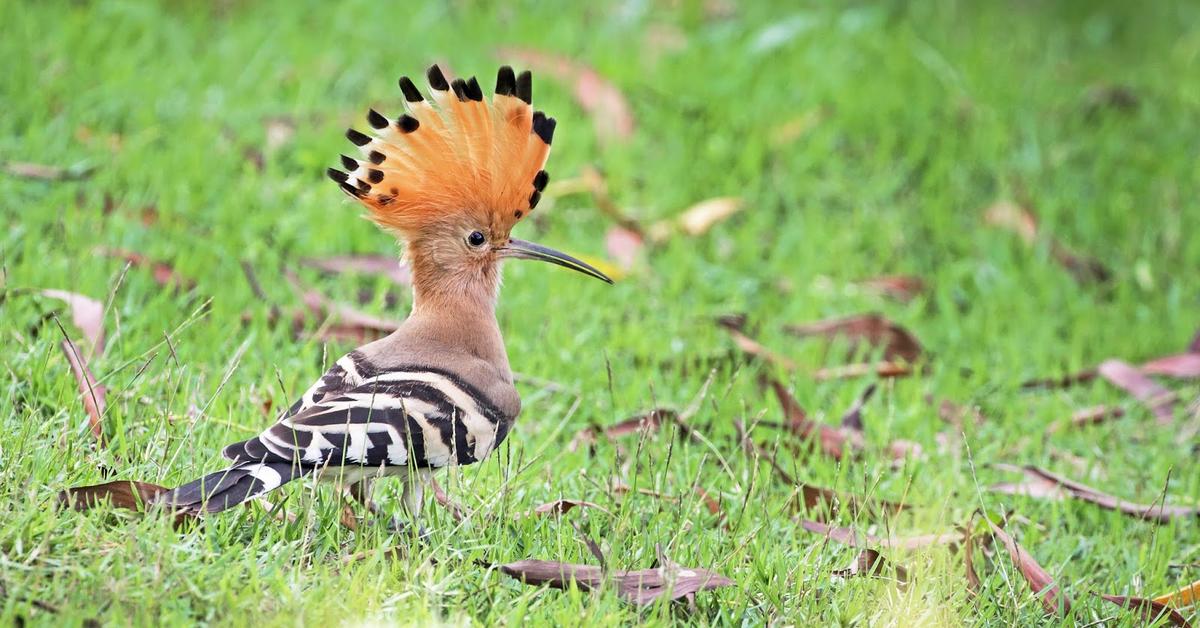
414,497
361,491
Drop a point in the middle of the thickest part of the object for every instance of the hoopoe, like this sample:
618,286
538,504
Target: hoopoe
450,178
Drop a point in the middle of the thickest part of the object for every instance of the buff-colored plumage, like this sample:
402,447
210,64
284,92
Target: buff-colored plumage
455,154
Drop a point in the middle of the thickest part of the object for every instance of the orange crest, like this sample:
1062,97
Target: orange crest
457,154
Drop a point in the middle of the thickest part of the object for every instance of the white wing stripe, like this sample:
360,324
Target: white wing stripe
478,426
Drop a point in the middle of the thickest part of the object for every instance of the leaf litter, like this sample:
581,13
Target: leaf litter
1042,484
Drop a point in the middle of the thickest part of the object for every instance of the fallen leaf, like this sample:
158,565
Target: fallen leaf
852,419
1043,484
1066,381
851,371
44,172
623,246
279,132
903,288
611,115
382,265
164,274
1186,596
1053,599
833,442
751,347
126,494
848,536
1021,221
872,330
1182,366
561,507
1095,415
699,218
641,587
871,563
812,495
973,583
1014,218
1151,611
592,181
958,415
901,449
87,314
795,128
1159,400
93,395
440,496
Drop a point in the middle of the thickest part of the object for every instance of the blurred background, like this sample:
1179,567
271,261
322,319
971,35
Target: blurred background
1013,183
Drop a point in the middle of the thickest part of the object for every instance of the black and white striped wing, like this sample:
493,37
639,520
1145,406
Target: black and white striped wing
345,374
395,418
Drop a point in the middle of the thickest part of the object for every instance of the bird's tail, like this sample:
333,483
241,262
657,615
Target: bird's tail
229,487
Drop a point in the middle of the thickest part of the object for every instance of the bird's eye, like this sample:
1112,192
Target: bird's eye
476,238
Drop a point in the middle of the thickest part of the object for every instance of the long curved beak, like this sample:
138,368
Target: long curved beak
520,249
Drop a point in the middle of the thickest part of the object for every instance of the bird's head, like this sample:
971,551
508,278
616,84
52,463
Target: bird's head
451,177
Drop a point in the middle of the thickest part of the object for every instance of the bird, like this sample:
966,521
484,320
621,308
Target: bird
449,178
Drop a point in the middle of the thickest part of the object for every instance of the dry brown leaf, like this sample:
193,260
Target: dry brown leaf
852,419
699,218
796,127
1043,484
44,172
645,422
812,495
611,115
1054,601
164,274
903,288
958,415
1186,596
1066,381
279,132
440,496
1095,415
848,536
87,314
872,330
93,395
382,265
1151,611
1014,218
1182,366
833,442
1158,399
973,583
126,494
870,562
734,326
641,587
1021,221
561,507
851,371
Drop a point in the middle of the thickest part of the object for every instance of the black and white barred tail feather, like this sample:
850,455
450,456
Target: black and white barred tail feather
229,487
387,422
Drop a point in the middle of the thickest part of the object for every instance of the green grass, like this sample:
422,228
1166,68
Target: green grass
927,113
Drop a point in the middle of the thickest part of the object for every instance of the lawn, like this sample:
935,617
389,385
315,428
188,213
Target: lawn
863,139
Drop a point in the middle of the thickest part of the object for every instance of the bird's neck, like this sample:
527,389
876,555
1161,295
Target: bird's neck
459,313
